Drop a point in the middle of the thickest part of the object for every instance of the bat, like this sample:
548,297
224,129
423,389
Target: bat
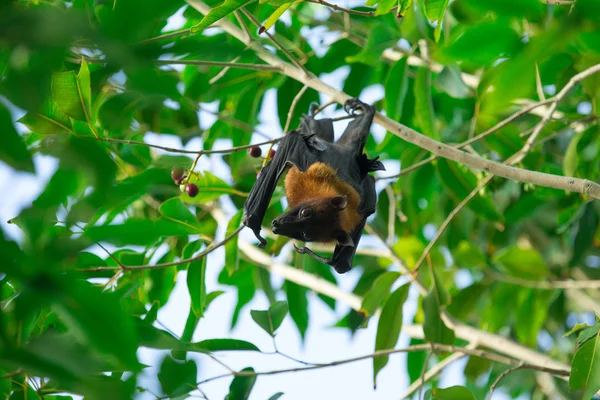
328,187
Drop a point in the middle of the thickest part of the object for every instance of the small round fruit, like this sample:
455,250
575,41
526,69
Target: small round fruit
272,154
192,190
177,174
255,151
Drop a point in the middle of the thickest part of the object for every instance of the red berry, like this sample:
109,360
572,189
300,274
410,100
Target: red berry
255,151
177,174
192,190
272,154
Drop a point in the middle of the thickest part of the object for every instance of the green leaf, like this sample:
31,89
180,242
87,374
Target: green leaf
276,396
298,305
117,112
241,386
577,327
98,318
434,11
588,334
271,319
196,278
384,6
381,288
434,328
177,378
532,313
379,39
440,290
586,232
404,6
451,82
232,251
275,16
85,87
217,13
49,121
13,151
585,368
452,393
389,326
524,263
423,103
532,9
174,210
571,160
73,93
396,88
415,361
483,43
460,182
225,345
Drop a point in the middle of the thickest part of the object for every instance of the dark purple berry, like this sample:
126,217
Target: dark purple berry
255,151
192,190
177,174
272,154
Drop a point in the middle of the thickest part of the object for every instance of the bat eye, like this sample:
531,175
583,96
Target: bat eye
306,237
305,213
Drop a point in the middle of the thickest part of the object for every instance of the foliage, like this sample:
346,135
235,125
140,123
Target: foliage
92,83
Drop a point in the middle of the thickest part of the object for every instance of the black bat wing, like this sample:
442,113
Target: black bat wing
300,149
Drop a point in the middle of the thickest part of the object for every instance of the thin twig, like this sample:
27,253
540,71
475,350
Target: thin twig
183,151
293,108
432,373
323,106
222,73
169,35
256,67
277,44
200,255
502,375
240,21
380,353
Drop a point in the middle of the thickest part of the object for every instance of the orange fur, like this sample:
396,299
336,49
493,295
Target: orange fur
322,181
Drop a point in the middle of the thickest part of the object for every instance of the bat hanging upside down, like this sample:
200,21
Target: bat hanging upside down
328,188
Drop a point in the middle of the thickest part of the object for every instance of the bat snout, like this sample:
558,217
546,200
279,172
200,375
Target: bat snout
276,226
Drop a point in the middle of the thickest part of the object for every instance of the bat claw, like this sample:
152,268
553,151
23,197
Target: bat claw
300,250
353,105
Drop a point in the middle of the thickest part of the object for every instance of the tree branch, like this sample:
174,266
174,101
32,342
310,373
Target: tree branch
462,331
440,149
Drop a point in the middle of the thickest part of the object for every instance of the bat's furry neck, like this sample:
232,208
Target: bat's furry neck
322,181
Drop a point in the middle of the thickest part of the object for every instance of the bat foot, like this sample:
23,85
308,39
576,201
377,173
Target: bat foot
353,105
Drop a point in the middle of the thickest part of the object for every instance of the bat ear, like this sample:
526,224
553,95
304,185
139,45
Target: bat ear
344,239
339,202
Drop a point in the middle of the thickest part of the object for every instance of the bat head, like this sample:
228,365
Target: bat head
314,220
